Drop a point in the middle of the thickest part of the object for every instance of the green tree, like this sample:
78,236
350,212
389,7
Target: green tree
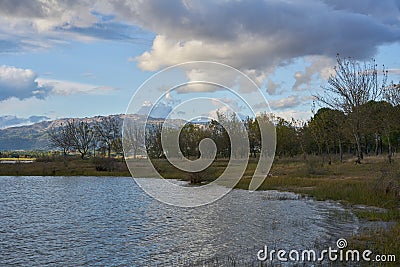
153,140
382,120
287,138
352,85
254,135
327,127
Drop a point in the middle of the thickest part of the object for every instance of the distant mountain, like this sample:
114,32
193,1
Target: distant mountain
34,136
28,137
12,121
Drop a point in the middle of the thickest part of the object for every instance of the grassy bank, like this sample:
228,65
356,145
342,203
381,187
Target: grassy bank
66,166
372,183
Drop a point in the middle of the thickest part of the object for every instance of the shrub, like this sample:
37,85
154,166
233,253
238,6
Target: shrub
104,164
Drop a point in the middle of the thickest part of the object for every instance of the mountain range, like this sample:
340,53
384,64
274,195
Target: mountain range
34,136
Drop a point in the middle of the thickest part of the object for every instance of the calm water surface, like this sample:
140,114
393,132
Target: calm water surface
99,221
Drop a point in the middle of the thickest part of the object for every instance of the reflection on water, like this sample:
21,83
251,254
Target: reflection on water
110,221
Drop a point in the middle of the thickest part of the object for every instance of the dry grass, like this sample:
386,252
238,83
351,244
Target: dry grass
61,167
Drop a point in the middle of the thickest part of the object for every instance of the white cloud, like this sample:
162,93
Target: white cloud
255,37
272,87
252,35
160,110
39,24
262,34
284,103
61,87
198,87
20,83
394,71
19,78
320,67
24,83
300,115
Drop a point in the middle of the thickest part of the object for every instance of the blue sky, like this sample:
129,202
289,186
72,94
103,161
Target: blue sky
86,58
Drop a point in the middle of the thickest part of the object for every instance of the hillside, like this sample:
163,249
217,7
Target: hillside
34,136
29,137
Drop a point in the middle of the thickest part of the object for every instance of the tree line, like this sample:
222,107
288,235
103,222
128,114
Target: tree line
360,115
328,133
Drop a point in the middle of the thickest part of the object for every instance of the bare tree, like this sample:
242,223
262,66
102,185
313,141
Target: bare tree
134,137
81,134
59,137
392,94
353,85
108,130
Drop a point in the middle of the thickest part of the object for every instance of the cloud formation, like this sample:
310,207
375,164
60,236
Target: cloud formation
65,88
24,83
250,36
37,24
272,87
262,34
256,37
319,66
284,103
20,83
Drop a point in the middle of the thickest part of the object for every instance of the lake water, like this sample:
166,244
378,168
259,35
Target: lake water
97,221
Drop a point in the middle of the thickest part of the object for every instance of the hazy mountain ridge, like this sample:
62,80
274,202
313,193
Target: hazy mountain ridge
7,121
34,136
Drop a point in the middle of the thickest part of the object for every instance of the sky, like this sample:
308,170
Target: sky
82,58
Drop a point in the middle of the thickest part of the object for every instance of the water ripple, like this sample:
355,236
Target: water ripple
97,221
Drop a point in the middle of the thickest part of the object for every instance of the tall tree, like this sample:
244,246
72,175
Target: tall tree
134,138
392,94
327,128
153,140
352,85
287,138
59,137
254,134
108,131
81,134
